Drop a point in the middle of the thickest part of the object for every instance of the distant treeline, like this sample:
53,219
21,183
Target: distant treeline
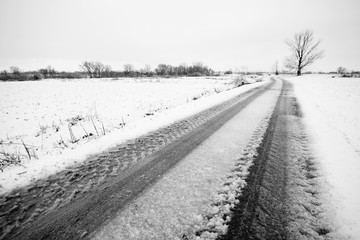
96,69
15,74
100,70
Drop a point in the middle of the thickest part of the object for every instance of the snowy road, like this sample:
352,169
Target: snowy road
177,205
255,178
242,169
77,201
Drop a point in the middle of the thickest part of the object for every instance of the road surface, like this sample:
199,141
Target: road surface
279,202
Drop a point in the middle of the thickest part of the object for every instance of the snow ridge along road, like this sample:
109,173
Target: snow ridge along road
282,199
76,201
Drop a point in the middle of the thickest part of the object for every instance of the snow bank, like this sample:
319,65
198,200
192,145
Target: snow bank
168,100
332,114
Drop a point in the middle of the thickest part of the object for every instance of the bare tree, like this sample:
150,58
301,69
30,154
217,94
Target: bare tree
183,69
198,64
15,70
88,67
51,71
95,69
304,51
98,69
4,75
128,68
107,71
341,70
162,69
47,72
147,68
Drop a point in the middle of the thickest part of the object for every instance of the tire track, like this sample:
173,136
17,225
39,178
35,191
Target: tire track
80,186
216,223
281,199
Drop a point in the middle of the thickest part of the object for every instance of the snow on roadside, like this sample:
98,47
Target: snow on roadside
169,104
332,115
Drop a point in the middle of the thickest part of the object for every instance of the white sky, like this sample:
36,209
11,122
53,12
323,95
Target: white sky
222,34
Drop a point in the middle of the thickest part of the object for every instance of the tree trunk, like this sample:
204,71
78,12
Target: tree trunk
298,73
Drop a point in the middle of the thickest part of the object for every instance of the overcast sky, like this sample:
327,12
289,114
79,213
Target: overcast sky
221,34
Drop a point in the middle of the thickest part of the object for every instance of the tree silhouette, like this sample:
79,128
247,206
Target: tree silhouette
304,51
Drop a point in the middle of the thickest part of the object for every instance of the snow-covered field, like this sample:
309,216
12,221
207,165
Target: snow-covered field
51,124
39,113
331,109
